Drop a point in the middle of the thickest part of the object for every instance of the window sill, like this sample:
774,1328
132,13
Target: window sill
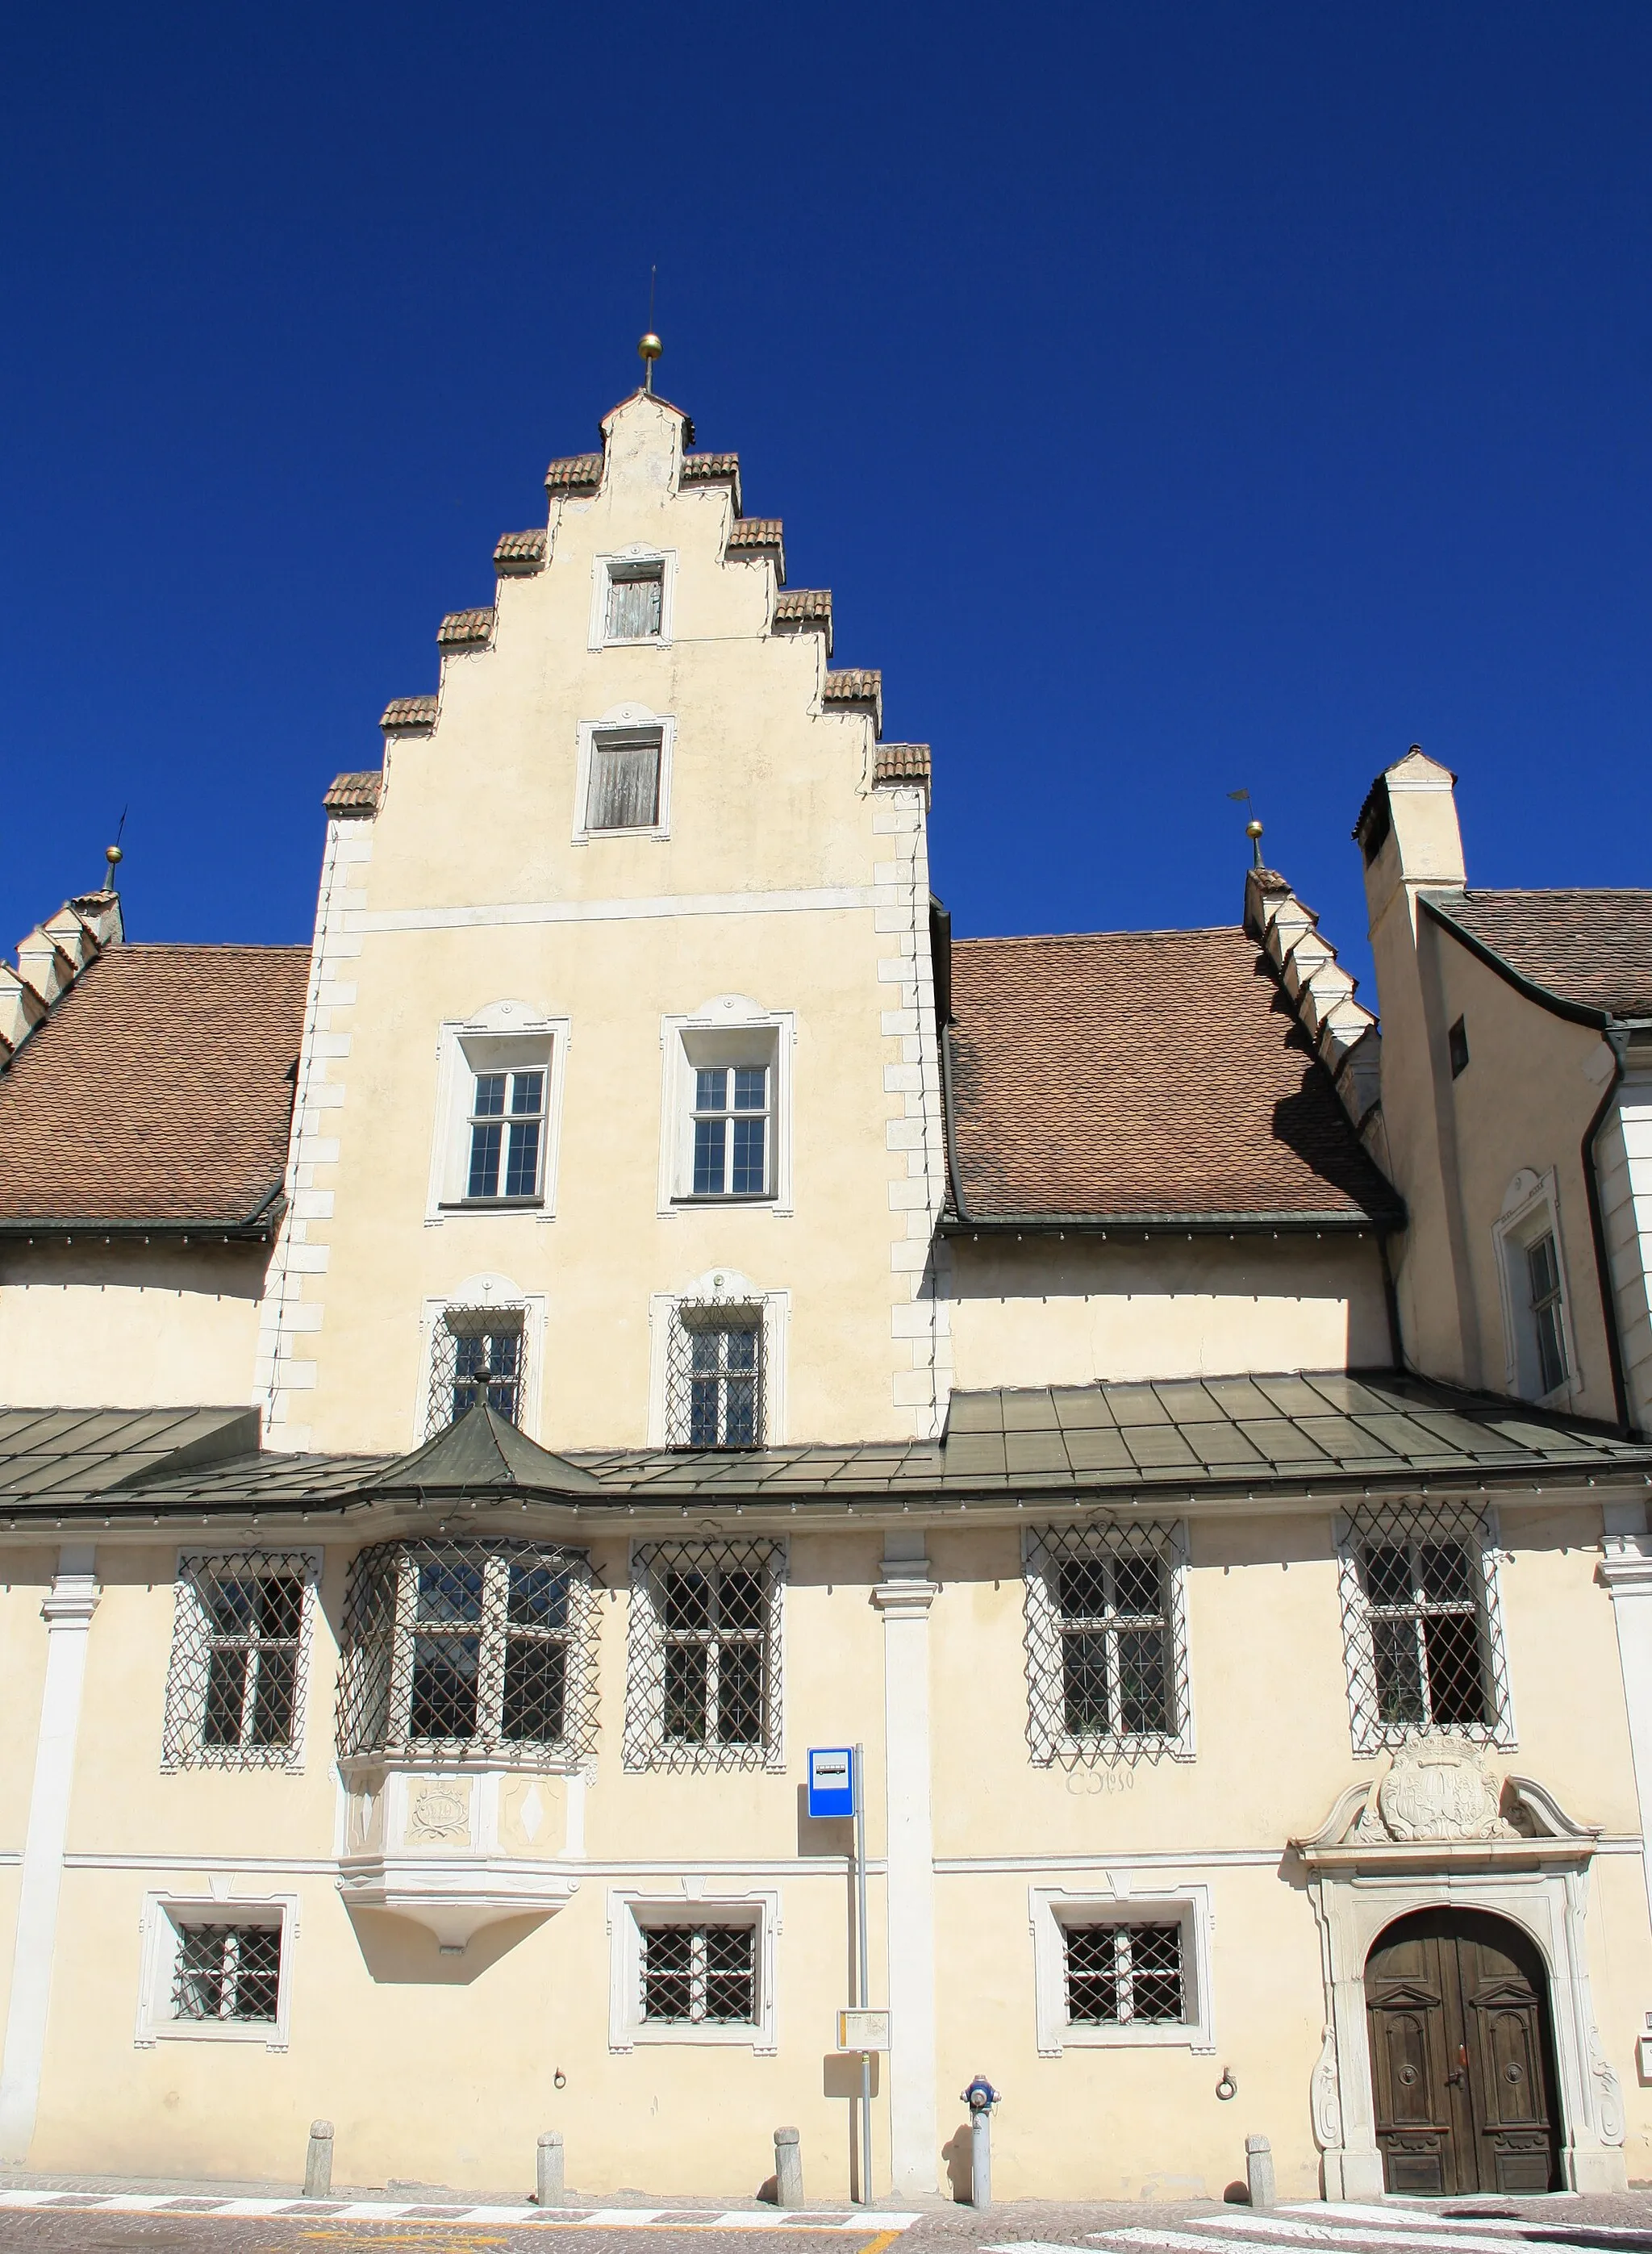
725,1197
267,2033
534,1204
633,641
747,2037
1179,2036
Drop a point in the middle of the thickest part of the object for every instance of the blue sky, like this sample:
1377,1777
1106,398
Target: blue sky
1176,398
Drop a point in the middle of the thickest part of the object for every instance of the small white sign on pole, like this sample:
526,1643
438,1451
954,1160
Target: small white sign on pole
863,2031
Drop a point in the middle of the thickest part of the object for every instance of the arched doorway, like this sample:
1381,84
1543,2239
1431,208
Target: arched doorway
1462,2056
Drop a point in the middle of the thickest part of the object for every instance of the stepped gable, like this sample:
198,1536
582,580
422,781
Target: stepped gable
408,716
50,959
465,630
805,610
157,1095
354,793
1343,1032
1152,1077
1589,947
520,554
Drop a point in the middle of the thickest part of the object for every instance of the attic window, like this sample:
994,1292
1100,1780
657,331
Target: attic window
1456,1045
636,601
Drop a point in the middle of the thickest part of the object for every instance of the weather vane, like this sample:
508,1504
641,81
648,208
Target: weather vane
1253,828
649,349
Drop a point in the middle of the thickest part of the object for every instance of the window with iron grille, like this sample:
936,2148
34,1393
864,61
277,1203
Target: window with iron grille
715,1377
1125,1975
702,1688
1421,1626
240,1645
477,1354
623,792
699,1975
506,1136
227,1972
478,1647
636,595
1106,1643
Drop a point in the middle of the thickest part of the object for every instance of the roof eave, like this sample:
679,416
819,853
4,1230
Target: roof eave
1581,1013
964,1223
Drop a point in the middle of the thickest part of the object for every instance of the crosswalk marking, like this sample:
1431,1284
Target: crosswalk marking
1421,2232
838,2223
1508,2225
1188,2242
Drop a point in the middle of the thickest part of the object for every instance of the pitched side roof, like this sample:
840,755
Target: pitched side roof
159,1091
1590,948
1158,1074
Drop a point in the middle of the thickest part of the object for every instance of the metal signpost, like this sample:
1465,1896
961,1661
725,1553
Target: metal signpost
837,1787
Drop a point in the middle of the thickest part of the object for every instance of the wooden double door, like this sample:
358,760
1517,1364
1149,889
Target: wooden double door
1462,2060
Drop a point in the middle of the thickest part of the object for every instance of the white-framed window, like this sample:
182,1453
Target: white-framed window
693,1967
725,1117
469,1648
632,597
623,786
499,1078
704,1656
1421,1625
1121,1971
239,1660
216,1969
717,1365
1540,1362
485,1343
1106,1638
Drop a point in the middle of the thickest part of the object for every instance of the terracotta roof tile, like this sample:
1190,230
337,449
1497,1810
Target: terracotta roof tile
1593,947
465,630
519,552
804,607
1159,1074
707,469
901,763
407,715
756,532
856,685
354,793
159,1091
575,474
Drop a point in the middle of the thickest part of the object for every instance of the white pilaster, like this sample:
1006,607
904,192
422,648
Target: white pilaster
904,1597
66,1609
1625,1568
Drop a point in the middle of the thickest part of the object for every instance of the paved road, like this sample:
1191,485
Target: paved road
106,2222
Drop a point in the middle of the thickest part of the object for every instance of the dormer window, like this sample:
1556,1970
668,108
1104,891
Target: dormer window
636,601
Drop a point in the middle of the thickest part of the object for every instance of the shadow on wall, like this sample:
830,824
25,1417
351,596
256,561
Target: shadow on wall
398,1953
960,2170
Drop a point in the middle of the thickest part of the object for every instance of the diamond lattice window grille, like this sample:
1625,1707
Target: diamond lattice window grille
703,1687
240,1660
699,1975
476,1354
1125,1975
716,1389
227,1972
1107,1643
474,1648
1422,1628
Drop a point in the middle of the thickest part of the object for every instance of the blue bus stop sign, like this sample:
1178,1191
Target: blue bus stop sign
831,1781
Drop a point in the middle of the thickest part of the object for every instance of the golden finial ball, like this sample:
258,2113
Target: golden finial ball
114,856
1253,829
649,347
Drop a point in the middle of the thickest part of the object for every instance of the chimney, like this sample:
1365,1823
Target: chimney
1408,835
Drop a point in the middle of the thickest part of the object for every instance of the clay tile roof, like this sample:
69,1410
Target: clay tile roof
354,793
804,607
575,474
1151,1074
859,684
403,714
465,630
159,1091
519,552
1590,947
901,763
706,469
756,532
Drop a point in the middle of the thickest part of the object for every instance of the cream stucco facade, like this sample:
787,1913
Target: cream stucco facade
608,1469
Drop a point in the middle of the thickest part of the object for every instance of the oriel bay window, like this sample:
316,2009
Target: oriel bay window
704,1659
1106,1642
455,1648
1421,1628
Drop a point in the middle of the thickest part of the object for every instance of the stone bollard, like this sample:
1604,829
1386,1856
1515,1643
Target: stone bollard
789,2169
549,2188
1259,2171
318,2167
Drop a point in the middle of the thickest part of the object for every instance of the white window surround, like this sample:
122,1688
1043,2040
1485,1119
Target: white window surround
189,1662
505,1036
727,1029
485,1290
601,575
1473,1523
1531,1210
623,719
1051,1909
163,1917
733,1290
694,1903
